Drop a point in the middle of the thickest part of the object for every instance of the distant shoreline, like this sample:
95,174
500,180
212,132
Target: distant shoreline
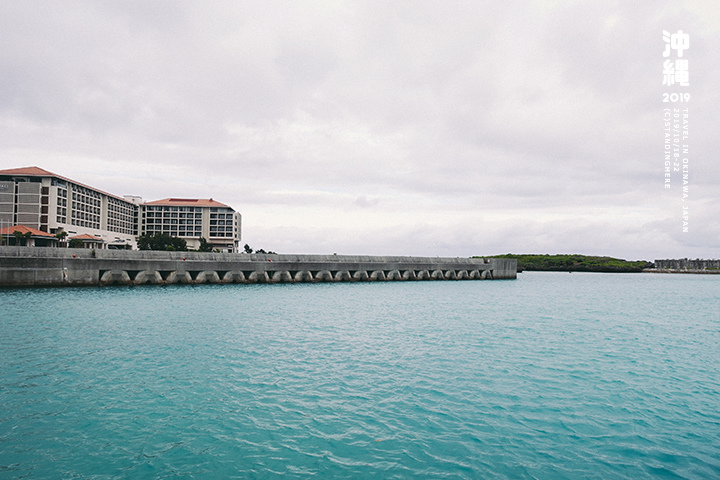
574,263
586,263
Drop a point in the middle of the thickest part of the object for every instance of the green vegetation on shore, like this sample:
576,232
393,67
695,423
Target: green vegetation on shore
161,241
574,263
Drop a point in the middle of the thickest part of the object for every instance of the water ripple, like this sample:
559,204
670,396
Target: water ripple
543,377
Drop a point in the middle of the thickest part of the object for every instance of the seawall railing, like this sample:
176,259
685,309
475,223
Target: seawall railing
36,266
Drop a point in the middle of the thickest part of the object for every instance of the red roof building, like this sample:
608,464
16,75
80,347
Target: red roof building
51,203
193,219
27,236
89,241
188,202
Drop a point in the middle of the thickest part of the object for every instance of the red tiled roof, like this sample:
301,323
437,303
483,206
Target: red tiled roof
188,202
175,202
41,172
23,229
32,171
87,236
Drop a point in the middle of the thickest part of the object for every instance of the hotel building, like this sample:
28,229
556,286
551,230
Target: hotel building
51,203
191,219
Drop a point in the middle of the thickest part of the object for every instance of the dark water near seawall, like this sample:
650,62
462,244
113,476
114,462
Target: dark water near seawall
549,376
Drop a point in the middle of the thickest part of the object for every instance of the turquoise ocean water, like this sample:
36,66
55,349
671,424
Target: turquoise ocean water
551,376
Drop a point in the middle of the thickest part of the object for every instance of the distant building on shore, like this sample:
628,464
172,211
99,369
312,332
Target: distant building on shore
688,265
50,203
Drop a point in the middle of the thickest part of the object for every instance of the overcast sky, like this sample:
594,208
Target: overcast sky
451,128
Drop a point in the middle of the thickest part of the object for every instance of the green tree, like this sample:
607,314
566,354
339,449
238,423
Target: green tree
574,263
259,250
75,243
61,235
161,241
204,245
21,238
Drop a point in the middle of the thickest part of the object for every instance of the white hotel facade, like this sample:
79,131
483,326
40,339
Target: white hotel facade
52,203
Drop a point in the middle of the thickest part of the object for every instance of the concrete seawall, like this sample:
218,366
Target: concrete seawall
28,266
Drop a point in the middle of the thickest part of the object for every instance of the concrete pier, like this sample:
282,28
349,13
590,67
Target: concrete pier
33,266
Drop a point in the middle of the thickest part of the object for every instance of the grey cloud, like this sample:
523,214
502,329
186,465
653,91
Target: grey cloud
426,113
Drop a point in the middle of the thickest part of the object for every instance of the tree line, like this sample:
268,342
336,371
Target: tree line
163,241
574,263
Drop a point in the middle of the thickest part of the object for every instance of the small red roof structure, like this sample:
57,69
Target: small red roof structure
86,237
23,229
32,236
